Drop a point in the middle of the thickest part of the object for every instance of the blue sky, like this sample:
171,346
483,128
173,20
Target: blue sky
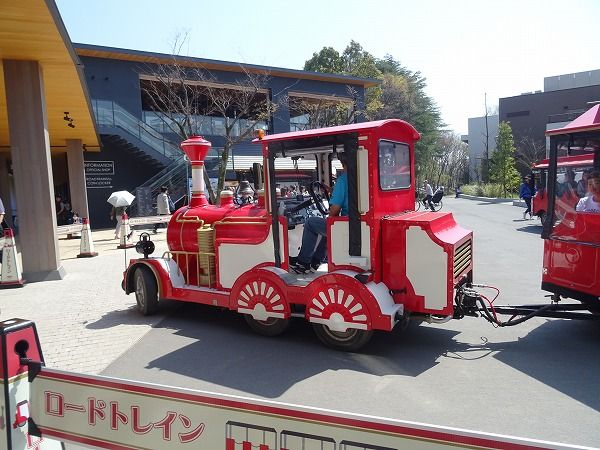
464,48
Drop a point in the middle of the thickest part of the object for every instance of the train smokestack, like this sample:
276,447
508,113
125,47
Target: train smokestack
196,149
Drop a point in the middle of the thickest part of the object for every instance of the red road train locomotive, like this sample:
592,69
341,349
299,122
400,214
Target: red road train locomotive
385,261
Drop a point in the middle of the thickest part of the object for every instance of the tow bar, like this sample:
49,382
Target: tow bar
470,302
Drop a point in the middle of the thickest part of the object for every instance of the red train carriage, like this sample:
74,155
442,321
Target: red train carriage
572,238
385,261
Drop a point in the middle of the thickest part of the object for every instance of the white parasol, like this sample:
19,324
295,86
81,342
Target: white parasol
120,198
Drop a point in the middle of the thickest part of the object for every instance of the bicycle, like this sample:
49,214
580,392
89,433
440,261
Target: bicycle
418,194
436,201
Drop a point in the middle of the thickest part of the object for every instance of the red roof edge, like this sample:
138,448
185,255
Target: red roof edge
354,127
588,121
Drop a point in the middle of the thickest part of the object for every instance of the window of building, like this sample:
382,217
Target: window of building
201,107
309,111
517,114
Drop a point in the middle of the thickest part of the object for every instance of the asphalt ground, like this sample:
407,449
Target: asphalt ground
537,380
84,321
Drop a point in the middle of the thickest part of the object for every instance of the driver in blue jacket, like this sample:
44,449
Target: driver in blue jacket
314,236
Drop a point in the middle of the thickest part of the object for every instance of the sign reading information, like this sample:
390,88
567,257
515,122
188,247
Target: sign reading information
99,174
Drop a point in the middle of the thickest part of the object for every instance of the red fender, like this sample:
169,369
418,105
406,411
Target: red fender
165,288
340,301
260,293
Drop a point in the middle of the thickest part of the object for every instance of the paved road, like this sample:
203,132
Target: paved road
537,380
84,321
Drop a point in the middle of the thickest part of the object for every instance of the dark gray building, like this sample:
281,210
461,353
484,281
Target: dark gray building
139,153
530,114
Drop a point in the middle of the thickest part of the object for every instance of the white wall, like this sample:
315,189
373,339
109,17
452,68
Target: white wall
477,141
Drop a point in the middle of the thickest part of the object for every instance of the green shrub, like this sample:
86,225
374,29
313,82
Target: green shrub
491,190
472,189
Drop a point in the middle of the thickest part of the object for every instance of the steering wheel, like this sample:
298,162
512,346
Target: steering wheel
240,200
317,192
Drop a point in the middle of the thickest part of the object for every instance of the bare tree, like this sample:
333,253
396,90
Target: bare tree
450,160
323,112
188,99
529,151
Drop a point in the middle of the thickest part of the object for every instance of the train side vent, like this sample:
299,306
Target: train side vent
462,257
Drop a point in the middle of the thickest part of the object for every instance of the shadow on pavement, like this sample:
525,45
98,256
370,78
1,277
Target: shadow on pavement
552,354
483,203
535,229
226,352
131,315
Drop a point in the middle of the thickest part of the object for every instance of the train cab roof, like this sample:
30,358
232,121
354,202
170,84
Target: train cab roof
322,139
588,121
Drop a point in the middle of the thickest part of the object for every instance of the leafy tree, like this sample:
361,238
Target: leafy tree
354,61
403,96
328,60
400,95
358,62
502,161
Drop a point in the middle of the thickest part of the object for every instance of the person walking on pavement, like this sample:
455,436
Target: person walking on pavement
163,203
117,213
428,195
526,192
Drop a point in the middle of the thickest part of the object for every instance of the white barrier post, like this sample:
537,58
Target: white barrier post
11,270
86,247
19,343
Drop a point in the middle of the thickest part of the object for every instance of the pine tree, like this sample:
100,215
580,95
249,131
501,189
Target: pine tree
502,162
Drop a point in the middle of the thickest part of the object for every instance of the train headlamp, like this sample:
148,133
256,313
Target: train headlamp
145,246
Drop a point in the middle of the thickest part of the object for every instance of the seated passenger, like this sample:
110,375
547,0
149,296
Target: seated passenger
582,184
569,186
591,203
314,236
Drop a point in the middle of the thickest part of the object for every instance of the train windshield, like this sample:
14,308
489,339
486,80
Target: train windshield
576,192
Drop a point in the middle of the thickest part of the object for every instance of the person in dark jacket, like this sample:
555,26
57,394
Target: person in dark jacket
526,192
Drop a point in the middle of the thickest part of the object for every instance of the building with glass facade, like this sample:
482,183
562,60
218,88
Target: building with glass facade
139,151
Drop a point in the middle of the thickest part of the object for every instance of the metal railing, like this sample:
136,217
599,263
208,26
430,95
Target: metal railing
175,177
110,114
203,125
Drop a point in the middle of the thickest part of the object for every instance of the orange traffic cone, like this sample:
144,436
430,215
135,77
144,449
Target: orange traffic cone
86,246
11,271
125,230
